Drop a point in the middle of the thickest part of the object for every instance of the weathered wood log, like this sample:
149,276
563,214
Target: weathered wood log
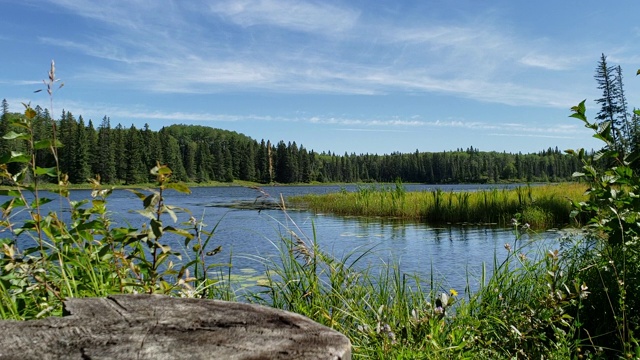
161,327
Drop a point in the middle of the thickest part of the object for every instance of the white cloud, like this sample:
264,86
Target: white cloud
546,62
319,18
21,82
159,46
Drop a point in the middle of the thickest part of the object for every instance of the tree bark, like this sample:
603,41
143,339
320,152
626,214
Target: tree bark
161,327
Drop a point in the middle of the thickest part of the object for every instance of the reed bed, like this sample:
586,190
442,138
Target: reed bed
543,206
390,314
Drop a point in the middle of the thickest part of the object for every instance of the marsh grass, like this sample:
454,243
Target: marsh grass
521,309
541,207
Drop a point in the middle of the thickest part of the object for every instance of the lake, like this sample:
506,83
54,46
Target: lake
455,253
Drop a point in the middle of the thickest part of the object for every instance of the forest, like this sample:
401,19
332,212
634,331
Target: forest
203,154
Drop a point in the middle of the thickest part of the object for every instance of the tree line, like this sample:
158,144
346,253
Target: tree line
202,154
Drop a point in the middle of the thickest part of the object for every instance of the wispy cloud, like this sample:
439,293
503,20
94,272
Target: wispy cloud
310,47
318,18
547,62
20,82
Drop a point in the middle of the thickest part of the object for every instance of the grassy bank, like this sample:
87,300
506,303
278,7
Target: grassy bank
525,308
575,299
542,206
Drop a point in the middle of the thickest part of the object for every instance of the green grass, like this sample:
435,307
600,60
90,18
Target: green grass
521,309
525,308
540,206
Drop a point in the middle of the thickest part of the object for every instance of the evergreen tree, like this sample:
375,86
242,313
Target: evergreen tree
610,100
5,145
94,151
204,163
67,136
171,155
283,163
120,152
105,164
248,160
135,168
81,170
263,173
219,169
189,150
43,125
151,151
4,128
623,115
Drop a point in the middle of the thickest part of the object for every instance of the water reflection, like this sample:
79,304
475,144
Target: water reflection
453,255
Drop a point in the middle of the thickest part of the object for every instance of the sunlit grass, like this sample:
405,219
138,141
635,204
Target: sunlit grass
388,313
542,206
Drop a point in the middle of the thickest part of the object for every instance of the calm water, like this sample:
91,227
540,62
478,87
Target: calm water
452,252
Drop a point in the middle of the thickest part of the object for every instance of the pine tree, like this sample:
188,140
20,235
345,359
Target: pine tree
67,136
283,163
189,152
43,125
120,152
171,154
105,159
623,115
204,161
4,128
610,100
247,163
81,161
94,151
151,150
5,145
135,169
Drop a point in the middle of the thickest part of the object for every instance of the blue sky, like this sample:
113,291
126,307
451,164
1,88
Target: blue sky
343,76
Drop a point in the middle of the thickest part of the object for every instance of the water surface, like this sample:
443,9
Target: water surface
454,254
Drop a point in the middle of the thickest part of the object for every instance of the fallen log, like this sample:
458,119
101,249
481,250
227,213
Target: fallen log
161,327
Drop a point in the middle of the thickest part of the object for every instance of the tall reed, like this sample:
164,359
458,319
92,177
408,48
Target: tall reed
541,206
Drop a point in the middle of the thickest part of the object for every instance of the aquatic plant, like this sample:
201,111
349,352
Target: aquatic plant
541,206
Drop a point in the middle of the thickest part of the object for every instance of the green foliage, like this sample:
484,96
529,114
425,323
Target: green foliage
575,301
48,257
523,309
202,154
539,206
385,312
610,261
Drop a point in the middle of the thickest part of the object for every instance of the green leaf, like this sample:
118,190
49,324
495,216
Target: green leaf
8,192
91,225
14,157
180,232
151,200
12,135
42,144
139,194
151,215
52,171
180,187
40,201
30,113
164,170
171,213
156,227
